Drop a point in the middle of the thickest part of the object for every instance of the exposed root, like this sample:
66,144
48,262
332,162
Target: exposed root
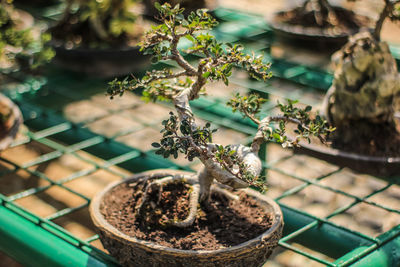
193,204
145,177
229,195
159,181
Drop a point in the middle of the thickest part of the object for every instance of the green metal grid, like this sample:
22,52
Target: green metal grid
41,103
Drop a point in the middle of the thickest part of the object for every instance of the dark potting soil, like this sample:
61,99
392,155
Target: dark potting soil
366,138
347,20
223,223
361,137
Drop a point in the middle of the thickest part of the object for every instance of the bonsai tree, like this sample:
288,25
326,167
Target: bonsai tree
235,165
20,42
364,97
94,23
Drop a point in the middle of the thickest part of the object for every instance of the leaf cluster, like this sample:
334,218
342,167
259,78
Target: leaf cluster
95,23
228,158
17,43
161,39
215,60
249,105
395,14
180,137
115,13
307,126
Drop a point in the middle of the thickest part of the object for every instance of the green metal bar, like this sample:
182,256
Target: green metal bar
106,150
308,255
358,199
385,254
298,188
32,245
92,238
65,126
335,241
306,234
65,211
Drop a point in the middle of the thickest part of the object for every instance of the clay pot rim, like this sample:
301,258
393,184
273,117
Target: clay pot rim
8,138
312,32
348,155
100,221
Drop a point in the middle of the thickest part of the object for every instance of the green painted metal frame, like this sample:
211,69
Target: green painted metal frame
37,241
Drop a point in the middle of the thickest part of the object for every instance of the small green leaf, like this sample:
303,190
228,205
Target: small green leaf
190,38
156,145
206,74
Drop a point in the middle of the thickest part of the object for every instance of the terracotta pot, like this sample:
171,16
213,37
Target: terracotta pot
130,251
323,38
101,63
11,125
374,165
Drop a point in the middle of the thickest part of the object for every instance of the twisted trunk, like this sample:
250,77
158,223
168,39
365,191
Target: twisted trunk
387,10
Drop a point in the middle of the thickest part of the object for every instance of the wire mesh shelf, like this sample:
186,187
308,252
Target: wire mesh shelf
76,141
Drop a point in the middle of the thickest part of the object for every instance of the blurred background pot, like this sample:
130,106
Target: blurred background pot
11,119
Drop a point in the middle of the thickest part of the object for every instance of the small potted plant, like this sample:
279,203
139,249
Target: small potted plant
99,38
21,45
318,22
175,218
363,104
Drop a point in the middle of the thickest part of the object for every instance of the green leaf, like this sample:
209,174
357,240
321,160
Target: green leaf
226,81
206,74
224,66
156,145
190,38
276,136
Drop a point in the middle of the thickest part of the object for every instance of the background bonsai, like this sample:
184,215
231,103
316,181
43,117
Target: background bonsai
237,166
318,12
20,42
92,23
364,97
321,14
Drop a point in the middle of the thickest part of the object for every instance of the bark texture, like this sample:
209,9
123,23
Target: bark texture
366,83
